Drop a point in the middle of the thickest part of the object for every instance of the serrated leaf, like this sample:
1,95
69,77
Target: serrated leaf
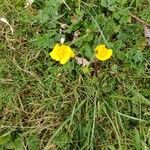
138,56
106,3
61,139
86,50
144,14
43,16
121,1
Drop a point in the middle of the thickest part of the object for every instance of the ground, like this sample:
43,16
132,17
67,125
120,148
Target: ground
46,105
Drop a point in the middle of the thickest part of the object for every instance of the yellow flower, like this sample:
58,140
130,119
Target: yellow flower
62,53
102,53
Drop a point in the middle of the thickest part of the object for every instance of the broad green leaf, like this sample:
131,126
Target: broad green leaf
4,138
18,144
33,143
137,140
10,145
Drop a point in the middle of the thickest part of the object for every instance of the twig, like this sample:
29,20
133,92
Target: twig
139,20
66,4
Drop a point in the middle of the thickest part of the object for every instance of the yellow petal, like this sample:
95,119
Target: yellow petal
67,54
100,47
109,53
107,56
102,53
54,53
64,60
72,54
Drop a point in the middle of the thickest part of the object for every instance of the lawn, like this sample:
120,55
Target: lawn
85,103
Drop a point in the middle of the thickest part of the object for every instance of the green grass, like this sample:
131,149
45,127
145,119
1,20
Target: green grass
46,106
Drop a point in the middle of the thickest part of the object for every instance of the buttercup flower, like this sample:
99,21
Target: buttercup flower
62,53
102,53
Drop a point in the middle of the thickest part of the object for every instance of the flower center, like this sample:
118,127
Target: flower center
62,52
103,52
